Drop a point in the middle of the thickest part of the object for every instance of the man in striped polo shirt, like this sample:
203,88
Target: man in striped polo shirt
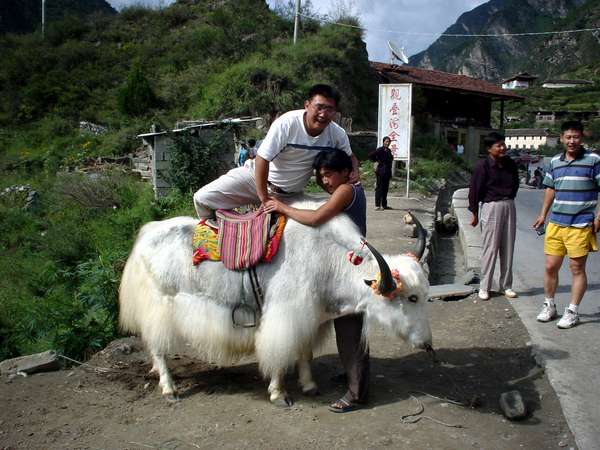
572,183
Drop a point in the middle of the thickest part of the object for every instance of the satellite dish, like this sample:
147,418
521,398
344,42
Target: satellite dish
398,53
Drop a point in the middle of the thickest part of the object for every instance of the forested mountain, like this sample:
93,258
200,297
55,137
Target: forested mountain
498,58
203,58
25,16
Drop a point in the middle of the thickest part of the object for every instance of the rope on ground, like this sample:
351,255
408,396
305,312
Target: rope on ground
417,416
447,400
473,403
99,369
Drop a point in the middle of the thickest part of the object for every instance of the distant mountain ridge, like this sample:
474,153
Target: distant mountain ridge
25,16
495,59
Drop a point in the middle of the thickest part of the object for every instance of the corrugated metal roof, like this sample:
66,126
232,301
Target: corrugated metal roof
204,125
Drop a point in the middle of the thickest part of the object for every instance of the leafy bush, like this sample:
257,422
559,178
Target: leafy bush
63,30
60,267
429,147
195,159
137,98
95,191
428,168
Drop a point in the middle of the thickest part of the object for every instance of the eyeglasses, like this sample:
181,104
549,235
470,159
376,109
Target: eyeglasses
324,108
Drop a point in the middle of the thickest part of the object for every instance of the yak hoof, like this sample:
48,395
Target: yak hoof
283,402
312,392
172,398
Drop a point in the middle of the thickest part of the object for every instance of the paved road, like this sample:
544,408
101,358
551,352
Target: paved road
571,357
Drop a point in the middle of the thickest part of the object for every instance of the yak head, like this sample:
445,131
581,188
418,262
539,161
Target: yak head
398,296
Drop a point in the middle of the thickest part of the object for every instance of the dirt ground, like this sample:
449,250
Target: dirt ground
482,351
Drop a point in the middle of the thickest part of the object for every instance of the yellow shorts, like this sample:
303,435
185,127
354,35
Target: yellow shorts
572,241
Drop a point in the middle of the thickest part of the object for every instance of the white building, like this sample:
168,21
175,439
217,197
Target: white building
559,84
529,138
520,81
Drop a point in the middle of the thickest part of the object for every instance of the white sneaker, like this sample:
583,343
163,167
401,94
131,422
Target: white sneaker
568,320
483,294
509,293
547,313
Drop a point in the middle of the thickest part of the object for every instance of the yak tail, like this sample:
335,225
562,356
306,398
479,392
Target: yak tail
128,297
144,311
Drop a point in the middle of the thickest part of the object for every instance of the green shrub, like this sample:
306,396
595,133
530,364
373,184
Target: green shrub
137,98
69,28
60,267
430,168
195,159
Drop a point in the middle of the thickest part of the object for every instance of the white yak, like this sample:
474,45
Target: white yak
169,302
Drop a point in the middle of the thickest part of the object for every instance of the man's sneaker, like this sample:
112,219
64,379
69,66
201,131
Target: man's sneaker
483,294
547,313
568,320
509,293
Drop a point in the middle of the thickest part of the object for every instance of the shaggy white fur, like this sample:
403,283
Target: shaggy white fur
169,302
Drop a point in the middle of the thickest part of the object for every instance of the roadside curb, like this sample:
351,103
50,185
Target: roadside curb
470,237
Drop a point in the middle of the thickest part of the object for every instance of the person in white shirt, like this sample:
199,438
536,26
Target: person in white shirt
283,164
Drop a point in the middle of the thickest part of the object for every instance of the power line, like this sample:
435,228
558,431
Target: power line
409,33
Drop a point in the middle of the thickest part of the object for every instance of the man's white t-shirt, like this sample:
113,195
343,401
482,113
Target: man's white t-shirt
292,151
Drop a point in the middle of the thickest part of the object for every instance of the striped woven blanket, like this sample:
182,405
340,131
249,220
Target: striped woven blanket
241,241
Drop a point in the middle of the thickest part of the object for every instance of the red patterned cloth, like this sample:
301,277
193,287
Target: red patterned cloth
242,237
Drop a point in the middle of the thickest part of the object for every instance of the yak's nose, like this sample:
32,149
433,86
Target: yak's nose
422,345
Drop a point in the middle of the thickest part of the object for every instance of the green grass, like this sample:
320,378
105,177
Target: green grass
60,264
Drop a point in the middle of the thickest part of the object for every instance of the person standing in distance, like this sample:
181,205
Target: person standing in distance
494,185
251,148
384,159
572,183
284,161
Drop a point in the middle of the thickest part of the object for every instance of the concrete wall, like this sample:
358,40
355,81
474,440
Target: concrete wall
530,142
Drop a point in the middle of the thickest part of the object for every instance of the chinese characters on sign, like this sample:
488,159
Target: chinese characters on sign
394,118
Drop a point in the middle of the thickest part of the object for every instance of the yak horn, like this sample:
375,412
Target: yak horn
421,237
386,283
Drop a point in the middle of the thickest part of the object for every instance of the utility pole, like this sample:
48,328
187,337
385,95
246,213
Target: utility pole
43,18
296,21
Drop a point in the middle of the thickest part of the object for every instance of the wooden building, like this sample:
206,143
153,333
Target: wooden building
455,108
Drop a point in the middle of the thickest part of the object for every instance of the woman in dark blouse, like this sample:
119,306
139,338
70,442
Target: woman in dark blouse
384,158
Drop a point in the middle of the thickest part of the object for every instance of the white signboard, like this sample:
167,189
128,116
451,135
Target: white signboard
394,118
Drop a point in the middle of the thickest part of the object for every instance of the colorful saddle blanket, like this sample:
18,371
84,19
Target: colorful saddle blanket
240,242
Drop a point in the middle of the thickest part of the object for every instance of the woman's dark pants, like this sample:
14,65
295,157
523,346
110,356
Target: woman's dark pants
381,190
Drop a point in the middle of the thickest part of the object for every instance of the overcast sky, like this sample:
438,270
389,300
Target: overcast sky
383,20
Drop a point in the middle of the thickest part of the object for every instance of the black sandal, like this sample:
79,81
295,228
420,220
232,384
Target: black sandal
344,405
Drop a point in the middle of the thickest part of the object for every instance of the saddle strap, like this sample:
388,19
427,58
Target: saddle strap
256,289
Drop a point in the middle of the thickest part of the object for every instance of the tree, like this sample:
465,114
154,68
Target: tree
136,98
